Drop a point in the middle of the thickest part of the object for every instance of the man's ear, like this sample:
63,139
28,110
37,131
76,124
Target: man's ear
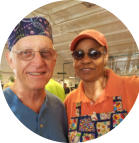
9,59
54,60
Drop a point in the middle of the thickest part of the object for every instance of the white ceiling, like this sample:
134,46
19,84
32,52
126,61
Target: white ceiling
70,17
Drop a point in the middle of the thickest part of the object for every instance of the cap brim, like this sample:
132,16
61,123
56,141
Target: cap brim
83,36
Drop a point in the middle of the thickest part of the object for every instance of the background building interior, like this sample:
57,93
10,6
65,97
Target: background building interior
70,17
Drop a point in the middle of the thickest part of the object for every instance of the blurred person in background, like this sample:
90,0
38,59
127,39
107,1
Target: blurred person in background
66,88
56,88
10,83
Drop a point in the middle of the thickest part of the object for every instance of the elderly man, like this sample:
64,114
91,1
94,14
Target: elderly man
32,59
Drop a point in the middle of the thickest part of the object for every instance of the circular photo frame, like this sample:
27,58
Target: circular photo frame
76,116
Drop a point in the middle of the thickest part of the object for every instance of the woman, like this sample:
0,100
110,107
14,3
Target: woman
102,99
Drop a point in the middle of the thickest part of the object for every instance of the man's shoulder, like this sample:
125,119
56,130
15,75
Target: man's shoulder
8,93
55,106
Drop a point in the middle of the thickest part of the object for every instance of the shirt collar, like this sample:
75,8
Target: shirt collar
109,91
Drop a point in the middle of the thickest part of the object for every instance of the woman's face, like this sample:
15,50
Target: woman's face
90,69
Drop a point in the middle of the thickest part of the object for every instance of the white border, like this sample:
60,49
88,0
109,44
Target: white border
11,12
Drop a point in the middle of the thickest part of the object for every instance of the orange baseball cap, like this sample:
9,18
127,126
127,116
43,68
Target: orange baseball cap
90,33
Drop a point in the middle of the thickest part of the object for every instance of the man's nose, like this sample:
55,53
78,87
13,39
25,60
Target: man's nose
38,59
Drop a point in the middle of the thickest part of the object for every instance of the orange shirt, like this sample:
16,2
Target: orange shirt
126,87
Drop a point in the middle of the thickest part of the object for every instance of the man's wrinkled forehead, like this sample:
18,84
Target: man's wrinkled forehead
34,42
29,27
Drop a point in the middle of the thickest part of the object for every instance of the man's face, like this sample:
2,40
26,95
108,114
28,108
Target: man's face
35,72
86,68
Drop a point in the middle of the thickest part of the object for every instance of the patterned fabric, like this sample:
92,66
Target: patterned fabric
83,128
30,26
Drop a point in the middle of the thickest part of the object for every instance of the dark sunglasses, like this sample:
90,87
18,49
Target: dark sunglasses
92,53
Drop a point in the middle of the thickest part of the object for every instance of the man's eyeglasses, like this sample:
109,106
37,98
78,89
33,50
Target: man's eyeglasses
92,53
29,54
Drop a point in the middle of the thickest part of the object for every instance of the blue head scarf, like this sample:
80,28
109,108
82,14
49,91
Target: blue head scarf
28,27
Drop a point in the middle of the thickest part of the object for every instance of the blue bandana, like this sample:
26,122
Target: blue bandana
30,26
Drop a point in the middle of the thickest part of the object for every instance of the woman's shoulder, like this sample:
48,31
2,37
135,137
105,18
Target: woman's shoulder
131,81
72,96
